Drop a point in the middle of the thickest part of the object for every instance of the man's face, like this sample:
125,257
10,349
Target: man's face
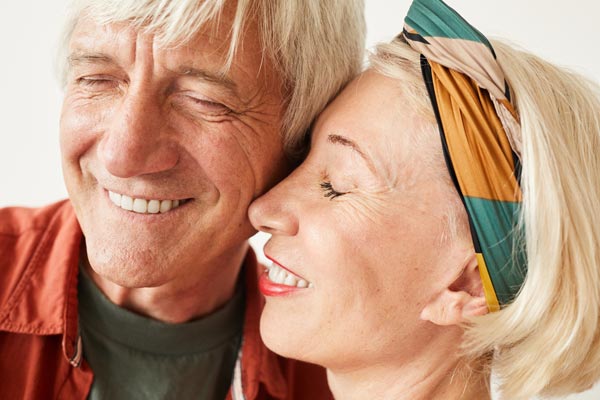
160,130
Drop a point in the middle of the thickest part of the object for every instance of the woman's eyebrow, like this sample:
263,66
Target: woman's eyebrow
344,141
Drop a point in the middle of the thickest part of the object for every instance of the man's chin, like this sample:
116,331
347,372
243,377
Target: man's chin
128,268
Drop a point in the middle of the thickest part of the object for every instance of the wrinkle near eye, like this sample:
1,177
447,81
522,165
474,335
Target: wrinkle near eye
379,207
368,208
249,139
262,108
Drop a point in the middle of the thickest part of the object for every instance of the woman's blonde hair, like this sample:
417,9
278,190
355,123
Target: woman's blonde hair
317,46
547,342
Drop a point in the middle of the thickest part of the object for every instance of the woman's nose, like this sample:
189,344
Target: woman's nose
135,141
274,212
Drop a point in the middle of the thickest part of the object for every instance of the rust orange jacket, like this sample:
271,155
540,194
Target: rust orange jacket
40,349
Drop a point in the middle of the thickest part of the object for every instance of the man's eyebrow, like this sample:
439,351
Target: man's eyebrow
82,57
208,76
344,141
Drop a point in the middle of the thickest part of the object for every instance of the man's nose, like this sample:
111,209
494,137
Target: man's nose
136,140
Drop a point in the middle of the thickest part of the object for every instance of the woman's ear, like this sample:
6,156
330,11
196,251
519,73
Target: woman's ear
461,300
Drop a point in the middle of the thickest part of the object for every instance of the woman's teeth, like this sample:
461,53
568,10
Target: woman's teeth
143,206
282,277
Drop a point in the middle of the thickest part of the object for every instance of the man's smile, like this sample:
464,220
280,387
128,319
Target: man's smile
144,206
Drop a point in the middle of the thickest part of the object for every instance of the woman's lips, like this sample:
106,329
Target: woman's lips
278,280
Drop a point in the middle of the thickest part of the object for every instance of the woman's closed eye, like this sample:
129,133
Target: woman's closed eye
329,191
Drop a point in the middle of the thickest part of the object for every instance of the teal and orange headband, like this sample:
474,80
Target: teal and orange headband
480,130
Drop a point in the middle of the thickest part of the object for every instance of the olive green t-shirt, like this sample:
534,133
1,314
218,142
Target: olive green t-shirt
134,357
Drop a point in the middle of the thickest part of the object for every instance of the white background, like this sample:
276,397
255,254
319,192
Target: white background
565,32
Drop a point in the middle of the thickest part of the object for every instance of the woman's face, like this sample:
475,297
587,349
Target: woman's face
362,228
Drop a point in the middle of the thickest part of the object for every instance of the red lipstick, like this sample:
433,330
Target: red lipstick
280,281
269,288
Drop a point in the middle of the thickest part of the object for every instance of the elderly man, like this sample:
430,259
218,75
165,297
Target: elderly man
176,115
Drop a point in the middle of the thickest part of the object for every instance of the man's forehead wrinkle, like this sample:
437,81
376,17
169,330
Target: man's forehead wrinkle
103,39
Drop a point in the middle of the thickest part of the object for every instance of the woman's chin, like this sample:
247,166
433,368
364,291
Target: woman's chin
284,338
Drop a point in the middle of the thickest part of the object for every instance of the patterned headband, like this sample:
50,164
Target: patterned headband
480,133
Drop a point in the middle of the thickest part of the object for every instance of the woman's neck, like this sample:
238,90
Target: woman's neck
446,378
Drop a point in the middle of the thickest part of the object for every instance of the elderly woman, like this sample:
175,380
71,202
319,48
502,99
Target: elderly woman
410,266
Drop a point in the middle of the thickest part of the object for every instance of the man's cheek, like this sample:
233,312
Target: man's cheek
80,126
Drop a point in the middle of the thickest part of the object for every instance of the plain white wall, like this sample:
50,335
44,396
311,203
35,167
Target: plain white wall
566,33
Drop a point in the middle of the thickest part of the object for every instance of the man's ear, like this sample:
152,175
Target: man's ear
463,299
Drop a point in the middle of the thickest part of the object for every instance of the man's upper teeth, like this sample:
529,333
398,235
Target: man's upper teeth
142,206
283,277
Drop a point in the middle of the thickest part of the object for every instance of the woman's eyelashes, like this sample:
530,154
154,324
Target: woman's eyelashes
329,191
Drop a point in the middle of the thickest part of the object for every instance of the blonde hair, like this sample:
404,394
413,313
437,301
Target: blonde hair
547,342
317,46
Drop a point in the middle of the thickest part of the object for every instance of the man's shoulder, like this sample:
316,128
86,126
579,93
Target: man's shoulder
18,221
23,230
33,238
